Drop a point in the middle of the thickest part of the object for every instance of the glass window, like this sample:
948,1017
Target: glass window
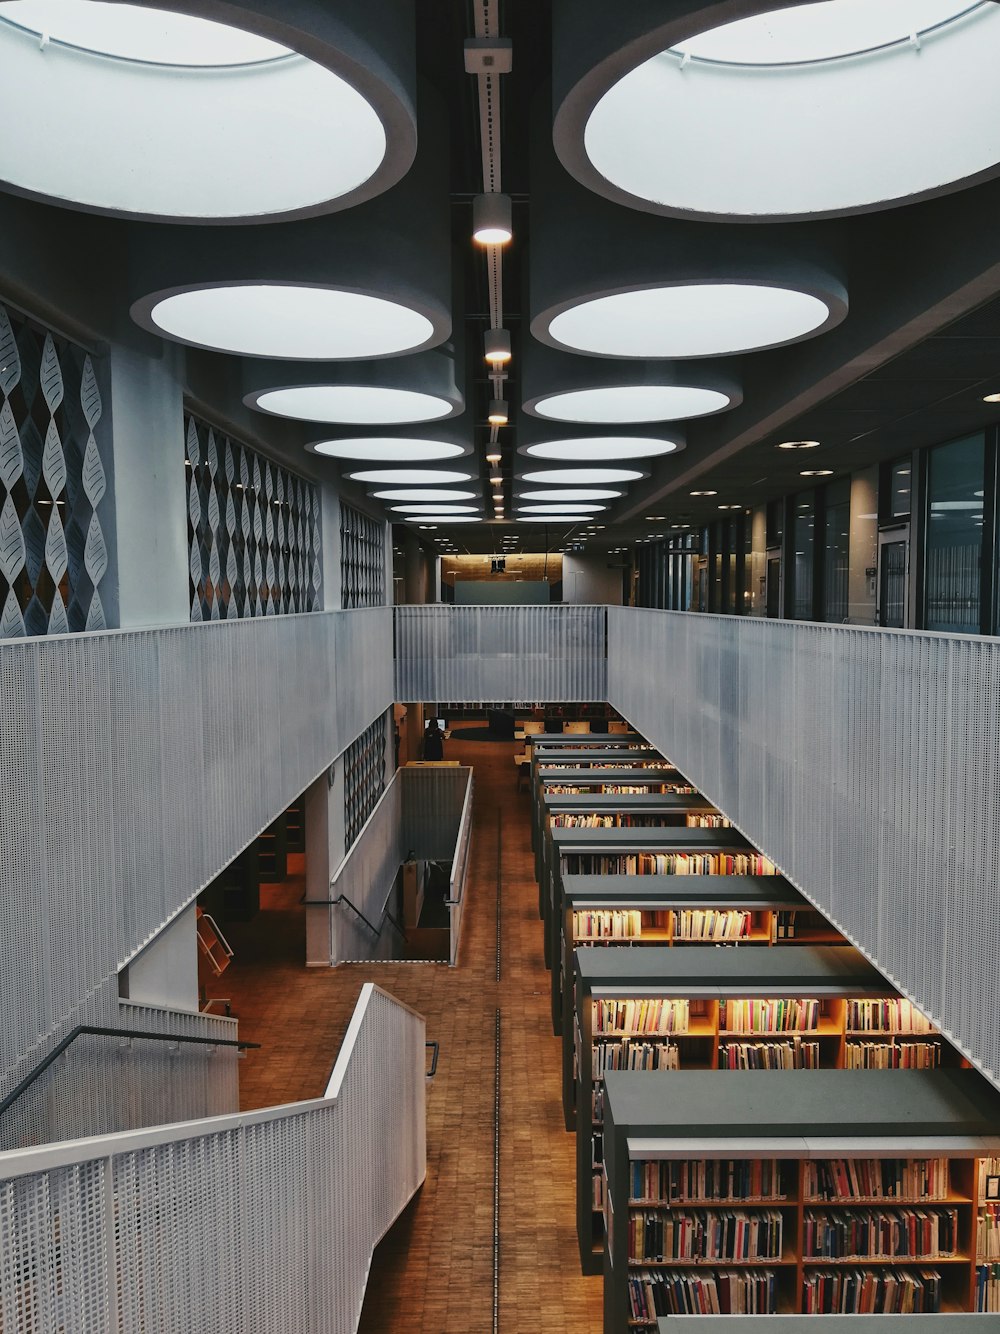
775,522
746,588
836,550
803,533
900,477
954,545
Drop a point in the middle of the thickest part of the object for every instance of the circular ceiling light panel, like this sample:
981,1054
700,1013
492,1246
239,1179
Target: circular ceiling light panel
434,509
408,476
631,403
289,321
774,94
187,118
353,405
570,493
445,518
559,520
602,448
703,319
583,476
386,449
553,508
423,493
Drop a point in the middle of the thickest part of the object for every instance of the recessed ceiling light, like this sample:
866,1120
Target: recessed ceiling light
654,518
570,493
703,493
798,444
446,518
409,476
581,476
158,80
430,528
423,493
386,449
729,507
631,403
354,405
288,321
604,447
552,520
551,507
434,509
816,472
691,320
991,398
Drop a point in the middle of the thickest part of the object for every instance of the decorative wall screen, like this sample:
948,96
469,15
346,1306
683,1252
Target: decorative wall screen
362,559
364,778
253,531
53,484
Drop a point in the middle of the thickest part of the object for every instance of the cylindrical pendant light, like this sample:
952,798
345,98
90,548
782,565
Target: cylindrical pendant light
491,219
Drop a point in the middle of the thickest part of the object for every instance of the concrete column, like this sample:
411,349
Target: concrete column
863,546
330,512
758,561
324,823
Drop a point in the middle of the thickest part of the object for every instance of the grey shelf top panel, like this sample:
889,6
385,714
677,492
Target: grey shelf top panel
637,803
829,1324
746,1105
755,892
585,739
598,774
649,840
595,755
711,970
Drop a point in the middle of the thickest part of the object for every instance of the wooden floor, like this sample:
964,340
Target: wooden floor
434,1273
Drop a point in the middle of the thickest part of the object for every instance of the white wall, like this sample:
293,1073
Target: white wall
587,579
166,972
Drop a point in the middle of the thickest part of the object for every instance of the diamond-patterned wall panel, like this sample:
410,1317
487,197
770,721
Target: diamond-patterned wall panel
362,559
253,531
364,778
54,559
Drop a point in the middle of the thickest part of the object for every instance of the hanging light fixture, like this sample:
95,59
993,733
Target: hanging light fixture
491,219
496,346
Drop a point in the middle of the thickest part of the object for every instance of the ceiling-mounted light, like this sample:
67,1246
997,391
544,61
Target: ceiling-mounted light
816,472
497,415
492,219
570,493
729,507
445,518
581,476
494,456
386,449
553,508
423,493
435,509
599,448
496,346
703,493
798,444
409,476
991,398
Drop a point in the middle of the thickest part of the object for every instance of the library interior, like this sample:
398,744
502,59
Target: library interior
499,667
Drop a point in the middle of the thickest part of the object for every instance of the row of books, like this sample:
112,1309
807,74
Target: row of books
564,820
611,924
769,1016
892,1056
794,1055
988,1288
619,789
886,1016
876,1234
667,863
634,1056
711,924
791,922
871,1292
715,1292
708,821
876,1178
988,1232
704,1235
692,1180
648,1015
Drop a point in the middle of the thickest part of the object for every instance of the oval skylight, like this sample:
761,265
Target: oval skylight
184,117
423,493
444,518
408,476
583,476
695,320
353,405
560,520
553,508
570,493
783,108
289,321
632,403
387,450
607,447
434,509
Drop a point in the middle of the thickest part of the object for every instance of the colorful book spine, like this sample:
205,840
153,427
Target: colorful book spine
871,1292
794,1055
653,1293
908,1179
769,1016
660,1237
881,1234
706,1180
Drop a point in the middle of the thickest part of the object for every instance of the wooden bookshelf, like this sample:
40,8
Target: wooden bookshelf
704,982
987,1237
589,740
650,810
824,1324
793,1129
660,903
606,852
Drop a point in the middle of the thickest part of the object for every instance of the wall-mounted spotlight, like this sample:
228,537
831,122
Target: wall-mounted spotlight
491,219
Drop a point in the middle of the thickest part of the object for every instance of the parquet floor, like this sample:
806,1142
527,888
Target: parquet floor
434,1272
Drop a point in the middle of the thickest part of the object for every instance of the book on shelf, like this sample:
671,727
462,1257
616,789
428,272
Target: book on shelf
631,1055
650,1014
769,1016
988,1288
697,1234
706,1180
792,923
667,863
610,923
826,1179
711,924
886,1016
988,1233
708,821
892,1055
793,1055
871,1292
880,1234
653,1293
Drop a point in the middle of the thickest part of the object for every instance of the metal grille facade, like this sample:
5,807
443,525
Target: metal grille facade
253,531
864,762
55,502
264,1221
362,559
135,766
364,778
555,653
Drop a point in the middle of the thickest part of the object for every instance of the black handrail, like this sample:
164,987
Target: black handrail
80,1029
435,1052
342,898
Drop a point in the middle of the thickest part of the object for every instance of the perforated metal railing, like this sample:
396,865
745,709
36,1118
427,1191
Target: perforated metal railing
134,766
262,1221
866,763
459,879
504,653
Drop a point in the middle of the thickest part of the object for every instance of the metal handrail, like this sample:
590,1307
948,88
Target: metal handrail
435,1053
343,898
91,1029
